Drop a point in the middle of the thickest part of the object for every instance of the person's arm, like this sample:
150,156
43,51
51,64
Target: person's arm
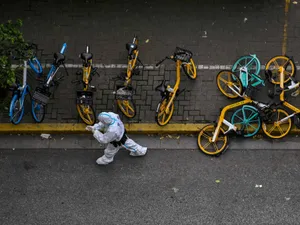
98,126
104,138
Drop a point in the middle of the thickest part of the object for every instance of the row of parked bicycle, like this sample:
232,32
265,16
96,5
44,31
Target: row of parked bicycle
84,101
241,82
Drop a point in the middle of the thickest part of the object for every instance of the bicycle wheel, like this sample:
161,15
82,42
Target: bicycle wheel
205,141
86,113
190,69
161,117
227,81
127,107
275,130
16,109
36,66
278,62
252,64
247,119
38,111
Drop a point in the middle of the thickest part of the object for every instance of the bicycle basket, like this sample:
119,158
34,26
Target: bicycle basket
41,95
84,98
124,93
182,54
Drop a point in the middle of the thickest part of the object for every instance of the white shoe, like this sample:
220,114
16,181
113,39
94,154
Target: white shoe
139,153
103,160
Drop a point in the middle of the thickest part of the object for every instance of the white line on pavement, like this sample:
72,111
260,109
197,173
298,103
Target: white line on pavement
148,67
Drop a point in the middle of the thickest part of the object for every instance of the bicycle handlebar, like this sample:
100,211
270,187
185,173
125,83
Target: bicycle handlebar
63,48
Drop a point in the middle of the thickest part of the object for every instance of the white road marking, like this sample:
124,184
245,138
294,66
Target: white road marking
148,67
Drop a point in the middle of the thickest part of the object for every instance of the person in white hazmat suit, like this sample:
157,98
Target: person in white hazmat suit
110,130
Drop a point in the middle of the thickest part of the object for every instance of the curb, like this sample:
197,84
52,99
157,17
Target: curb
76,128
134,128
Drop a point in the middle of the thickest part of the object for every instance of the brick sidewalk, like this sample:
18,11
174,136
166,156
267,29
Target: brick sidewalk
200,103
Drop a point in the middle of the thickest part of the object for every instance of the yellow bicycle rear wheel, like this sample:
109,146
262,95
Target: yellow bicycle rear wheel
226,81
162,118
275,130
205,141
127,107
190,69
86,113
274,65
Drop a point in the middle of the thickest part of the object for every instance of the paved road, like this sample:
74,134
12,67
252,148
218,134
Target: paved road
216,31
165,187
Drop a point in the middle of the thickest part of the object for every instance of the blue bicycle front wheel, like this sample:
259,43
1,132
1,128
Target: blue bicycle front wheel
251,63
38,111
16,109
247,119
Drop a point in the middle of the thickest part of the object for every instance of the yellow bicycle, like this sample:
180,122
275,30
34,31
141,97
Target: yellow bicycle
84,101
124,93
165,107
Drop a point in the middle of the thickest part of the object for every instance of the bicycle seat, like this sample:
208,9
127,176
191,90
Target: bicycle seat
86,56
58,58
131,47
162,87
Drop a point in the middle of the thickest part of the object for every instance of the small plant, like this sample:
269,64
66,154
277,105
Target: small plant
12,43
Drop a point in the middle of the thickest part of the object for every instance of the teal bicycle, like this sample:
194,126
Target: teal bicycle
248,68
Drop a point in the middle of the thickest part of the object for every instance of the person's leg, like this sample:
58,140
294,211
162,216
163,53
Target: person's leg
134,148
109,154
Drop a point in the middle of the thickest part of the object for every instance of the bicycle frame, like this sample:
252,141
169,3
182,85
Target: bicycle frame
54,68
131,61
222,120
176,86
86,71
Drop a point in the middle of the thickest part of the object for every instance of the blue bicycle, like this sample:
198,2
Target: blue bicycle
20,91
42,93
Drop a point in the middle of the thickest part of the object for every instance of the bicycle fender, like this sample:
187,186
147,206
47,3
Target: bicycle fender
249,107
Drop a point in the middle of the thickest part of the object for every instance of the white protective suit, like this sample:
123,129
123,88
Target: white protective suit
112,133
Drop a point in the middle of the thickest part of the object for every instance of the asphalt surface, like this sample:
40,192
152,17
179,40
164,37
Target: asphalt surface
165,187
217,31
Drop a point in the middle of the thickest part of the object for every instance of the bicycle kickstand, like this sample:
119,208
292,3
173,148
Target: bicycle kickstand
138,59
65,69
